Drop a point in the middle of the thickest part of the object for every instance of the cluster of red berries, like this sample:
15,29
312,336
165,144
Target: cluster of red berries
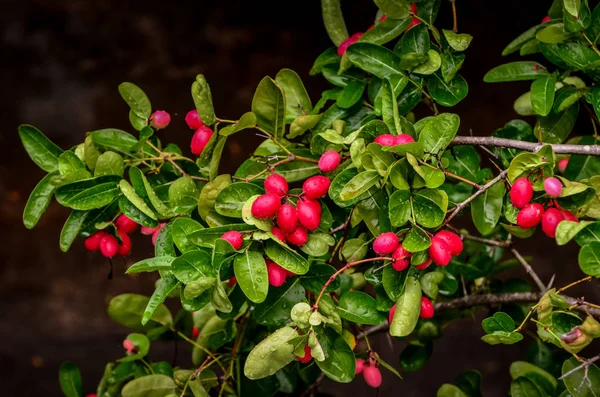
293,222
531,214
368,368
393,140
427,309
108,244
202,135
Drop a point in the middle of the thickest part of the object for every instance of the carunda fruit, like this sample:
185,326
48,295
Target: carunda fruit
160,119
278,233
234,238
309,213
403,139
360,366
454,242
156,232
347,43
530,215
287,218
568,215
108,245
372,376
125,224
424,265
276,184
427,310
192,119
128,345
562,165
200,140
385,243
266,206
125,246
546,19
386,140
307,355
316,186
329,161
392,312
277,274
298,237
550,220
439,252
400,259
521,192
553,187
92,243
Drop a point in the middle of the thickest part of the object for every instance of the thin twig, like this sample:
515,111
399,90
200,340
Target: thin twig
487,241
454,16
592,150
529,270
585,364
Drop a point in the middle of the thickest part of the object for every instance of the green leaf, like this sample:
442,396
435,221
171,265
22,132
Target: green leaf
415,356
447,93
232,198
339,364
68,162
151,265
90,193
248,120
163,289
589,259
500,321
318,244
360,308
136,99
181,230
359,185
408,308
303,124
251,274
316,277
416,240
209,193
150,386
429,207
334,21
377,60
70,380
114,139
554,33
459,42
502,337
399,207
416,40
385,31
215,160
431,65
451,64
430,283
128,309
141,343
515,71
523,368
38,201
286,257
71,229
351,94
525,387
567,230
130,195
448,390
487,208
577,383
271,354
523,38
39,148
327,57
438,132
90,152
296,98
556,127
393,8
203,100
269,104
183,195
275,310
542,94
393,282
109,163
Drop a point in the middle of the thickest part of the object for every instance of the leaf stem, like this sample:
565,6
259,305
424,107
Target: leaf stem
529,269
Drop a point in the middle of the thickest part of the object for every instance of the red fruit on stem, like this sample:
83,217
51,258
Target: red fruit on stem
372,376
439,252
386,140
298,237
195,332
550,220
160,119
147,231
385,243
391,315
200,140
125,246
277,274
156,232
413,8
92,243
347,43
521,192
91,395
360,366
329,161
232,281
413,22
316,187
125,224
309,213
562,165
192,119
128,345
400,259
403,139
108,245
424,265
453,241
266,206
383,18
546,19
530,215
277,232
568,215
287,218
553,187
427,309
234,237
307,355
276,184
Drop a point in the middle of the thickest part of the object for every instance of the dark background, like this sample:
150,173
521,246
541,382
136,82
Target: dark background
61,64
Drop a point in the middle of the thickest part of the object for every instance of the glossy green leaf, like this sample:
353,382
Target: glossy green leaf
251,274
360,308
408,308
183,195
163,289
89,194
269,106
385,31
71,229
394,8
515,71
429,207
439,131
487,208
38,201
275,310
39,148
589,259
286,257
109,163
135,200
128,309
248,120
303,124
114,139
556,127
576,384
393,282
203,100
231,199
151,264
447,93
377,60
416,240
271,354
359,185
136,99
333,20
339,364
70,380
297,100
316,277
525,387
448,390
68,162
542,94
416,40
155,385
399,208
181,229
318,244
523,368
459,42
327,57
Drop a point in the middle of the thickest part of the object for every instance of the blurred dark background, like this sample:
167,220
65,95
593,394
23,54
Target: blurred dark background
61,64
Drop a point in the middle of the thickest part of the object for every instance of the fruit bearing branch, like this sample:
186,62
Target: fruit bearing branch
592,150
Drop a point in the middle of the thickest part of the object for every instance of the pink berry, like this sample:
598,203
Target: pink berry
276,273
403,139
372,376
316,186
266,206
562,165
147,231
360,366
521,192
553,187
125,246
385,243
383,18
550,220
276,184
307,355
108,245
401,259
329,161
386,140
125,224
128,345
232,281
530,215
424,265
195,332
156,232
298,237
454,242
309,213
277,232
287,218
546,19
160,119
192,118
92,243
427,309
392,312
413,8
234,238
439,252
200,139
348,42
568,215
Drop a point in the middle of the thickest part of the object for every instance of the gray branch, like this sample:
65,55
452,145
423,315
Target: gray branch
592,150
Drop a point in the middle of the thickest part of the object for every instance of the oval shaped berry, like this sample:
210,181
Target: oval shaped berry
400,259
287,219
553,187
329,161
385,243
562,165
156,231
147,231
546,19
307,355
372,376
298,237
439,252
108,245
453,241
126,225
413,8
530,215
383,18
427,310
413,22
568,215
234,238
277,274
195,332
403,139
92,243
424,265
391,315
309,213
316,186
232,281
192,119
360,366
266,206
200,140
277,232
386,140
276,184
125,246
550,220
521,192
348,42
161,119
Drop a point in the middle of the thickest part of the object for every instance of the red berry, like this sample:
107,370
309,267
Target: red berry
195,332
192,118
403,139
298,237
277,274
329,161
371,27
161,119
266,206
125,246
454,242
235,239
232,281
277,232
128,345
386,140
427,310
521,192
360,366
372,376
156,232
108,245
125,224
568,215
309,213
424,265
385,243
562,165
439,252
307,355
413,8
91,395
287,218
392,312
413,22
553,187
200,140
530,215
316,186
92,243
383,18
276,184
400,259
546,19
550,220
147,231
348,42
